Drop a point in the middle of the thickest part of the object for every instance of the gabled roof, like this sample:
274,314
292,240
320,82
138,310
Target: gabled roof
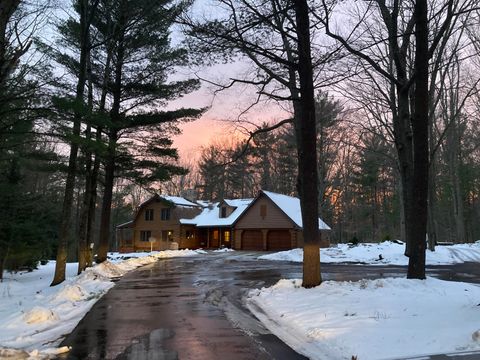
175,200
210,216
291,207
179,201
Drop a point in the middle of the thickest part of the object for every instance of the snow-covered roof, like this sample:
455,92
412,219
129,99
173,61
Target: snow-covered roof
203,203
210,216
176,200
125,224
291,207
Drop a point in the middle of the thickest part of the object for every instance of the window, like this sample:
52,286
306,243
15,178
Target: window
223,212
226,236
165,215
263,211
145,235
189,234
149,215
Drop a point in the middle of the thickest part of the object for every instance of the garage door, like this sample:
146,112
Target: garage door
279,240
252,240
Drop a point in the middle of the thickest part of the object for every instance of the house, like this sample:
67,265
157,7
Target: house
156,225
273,222
214,225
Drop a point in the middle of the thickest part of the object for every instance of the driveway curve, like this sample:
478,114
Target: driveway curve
193,308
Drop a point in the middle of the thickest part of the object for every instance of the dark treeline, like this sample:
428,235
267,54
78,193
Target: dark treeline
359,186
83,119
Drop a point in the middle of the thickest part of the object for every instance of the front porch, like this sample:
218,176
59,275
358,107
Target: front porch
215,237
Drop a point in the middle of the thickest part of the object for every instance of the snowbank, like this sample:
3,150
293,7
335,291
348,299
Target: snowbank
391,254
372,319
35,317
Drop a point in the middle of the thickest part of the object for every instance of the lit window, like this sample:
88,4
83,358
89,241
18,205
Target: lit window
149,215
226,236
165,215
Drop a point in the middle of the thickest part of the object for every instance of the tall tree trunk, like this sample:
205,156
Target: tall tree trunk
403,144
110,161
83,245
2,264
307,150
104,238
72,162
418,228
98,157
457,197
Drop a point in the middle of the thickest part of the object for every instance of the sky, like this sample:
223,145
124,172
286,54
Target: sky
220,123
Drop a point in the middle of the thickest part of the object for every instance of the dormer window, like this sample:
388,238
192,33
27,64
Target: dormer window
223,212
149,214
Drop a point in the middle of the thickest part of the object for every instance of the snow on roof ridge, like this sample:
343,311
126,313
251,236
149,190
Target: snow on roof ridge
210,216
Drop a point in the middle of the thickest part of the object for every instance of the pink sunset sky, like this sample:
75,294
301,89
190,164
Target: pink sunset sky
221,122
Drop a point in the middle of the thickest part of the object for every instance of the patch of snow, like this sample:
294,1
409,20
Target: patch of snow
39,315
371,319
385,253
223,250
35,317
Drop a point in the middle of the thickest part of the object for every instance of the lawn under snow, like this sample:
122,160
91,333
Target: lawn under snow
35,317
372,319
391,254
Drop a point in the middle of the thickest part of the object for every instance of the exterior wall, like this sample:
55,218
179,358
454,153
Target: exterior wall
158,227
274,219
188,237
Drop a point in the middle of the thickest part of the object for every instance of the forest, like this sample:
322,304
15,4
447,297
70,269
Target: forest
381,139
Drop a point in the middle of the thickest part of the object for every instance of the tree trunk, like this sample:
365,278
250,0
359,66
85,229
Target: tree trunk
418,228
307,151
83,245
453,139
2,266
110,161
107,200
96,163
65,224
403,144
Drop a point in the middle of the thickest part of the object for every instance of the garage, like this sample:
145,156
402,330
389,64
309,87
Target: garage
279,240
252,240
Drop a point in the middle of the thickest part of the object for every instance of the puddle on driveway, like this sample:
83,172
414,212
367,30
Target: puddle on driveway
150,347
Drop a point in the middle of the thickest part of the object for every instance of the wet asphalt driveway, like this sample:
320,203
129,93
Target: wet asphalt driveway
192,308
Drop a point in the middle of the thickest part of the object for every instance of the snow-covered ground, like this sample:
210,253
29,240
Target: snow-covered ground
372,319
391,253
34,316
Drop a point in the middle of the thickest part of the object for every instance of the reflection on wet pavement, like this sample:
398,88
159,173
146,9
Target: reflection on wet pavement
193,308
150,347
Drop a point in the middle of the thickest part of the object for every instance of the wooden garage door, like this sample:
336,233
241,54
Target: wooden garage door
252,240
279,240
